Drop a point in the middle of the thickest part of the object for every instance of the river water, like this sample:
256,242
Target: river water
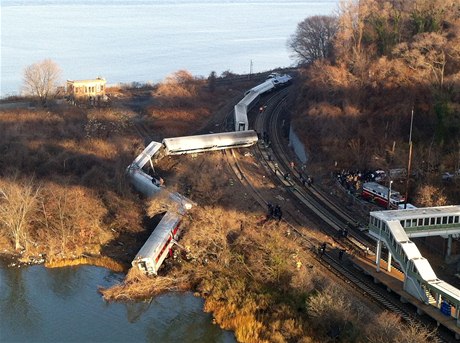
145,40
63,305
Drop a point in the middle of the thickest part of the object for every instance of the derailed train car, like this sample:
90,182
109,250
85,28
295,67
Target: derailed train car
251,97
213,141
159,244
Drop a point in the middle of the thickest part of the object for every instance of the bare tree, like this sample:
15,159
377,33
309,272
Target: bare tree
429,195
313,38
18,201
41,79
427,55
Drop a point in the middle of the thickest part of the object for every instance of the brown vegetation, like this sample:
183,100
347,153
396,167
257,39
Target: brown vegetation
354,107
262,284
256,279
62,184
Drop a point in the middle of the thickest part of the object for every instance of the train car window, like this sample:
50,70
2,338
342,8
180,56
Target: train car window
420,222
414,222
427,221
433,221
451,219
456,219
438,220
444,220
402,223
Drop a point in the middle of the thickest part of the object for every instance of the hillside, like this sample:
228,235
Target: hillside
353,108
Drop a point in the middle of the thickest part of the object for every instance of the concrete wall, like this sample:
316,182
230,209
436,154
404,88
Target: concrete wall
297,145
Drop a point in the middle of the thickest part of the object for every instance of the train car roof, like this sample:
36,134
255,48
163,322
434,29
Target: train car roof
421,212
147,154
160,234
263,87
143,182
241,113
250,96
214,139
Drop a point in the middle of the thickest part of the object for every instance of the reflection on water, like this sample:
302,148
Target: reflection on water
63,305
15,309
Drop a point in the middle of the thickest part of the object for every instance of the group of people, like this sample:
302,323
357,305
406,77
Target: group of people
322,251
274,211
353,179
308,181
266,138
343,233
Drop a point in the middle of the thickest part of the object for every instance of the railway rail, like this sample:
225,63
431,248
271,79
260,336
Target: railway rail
310,200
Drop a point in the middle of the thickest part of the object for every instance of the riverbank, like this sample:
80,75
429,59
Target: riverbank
258,280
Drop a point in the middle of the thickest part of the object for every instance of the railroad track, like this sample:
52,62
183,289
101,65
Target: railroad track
273,158
310,202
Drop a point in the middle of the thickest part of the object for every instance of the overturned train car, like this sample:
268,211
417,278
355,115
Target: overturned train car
159,244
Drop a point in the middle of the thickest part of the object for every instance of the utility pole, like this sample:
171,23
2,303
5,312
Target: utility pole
389,192
409,163
250,69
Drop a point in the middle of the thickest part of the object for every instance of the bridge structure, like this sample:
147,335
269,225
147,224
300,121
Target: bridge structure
395,228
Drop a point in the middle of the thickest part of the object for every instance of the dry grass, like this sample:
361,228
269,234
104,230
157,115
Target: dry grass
137,286
102,261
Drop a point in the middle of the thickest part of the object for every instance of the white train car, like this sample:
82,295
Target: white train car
213,141
264,87
149,187
157,247
142,182
147,154
242,109
281,80
379,194
275,80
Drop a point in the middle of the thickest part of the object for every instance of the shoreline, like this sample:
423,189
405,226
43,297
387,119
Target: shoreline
11,259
